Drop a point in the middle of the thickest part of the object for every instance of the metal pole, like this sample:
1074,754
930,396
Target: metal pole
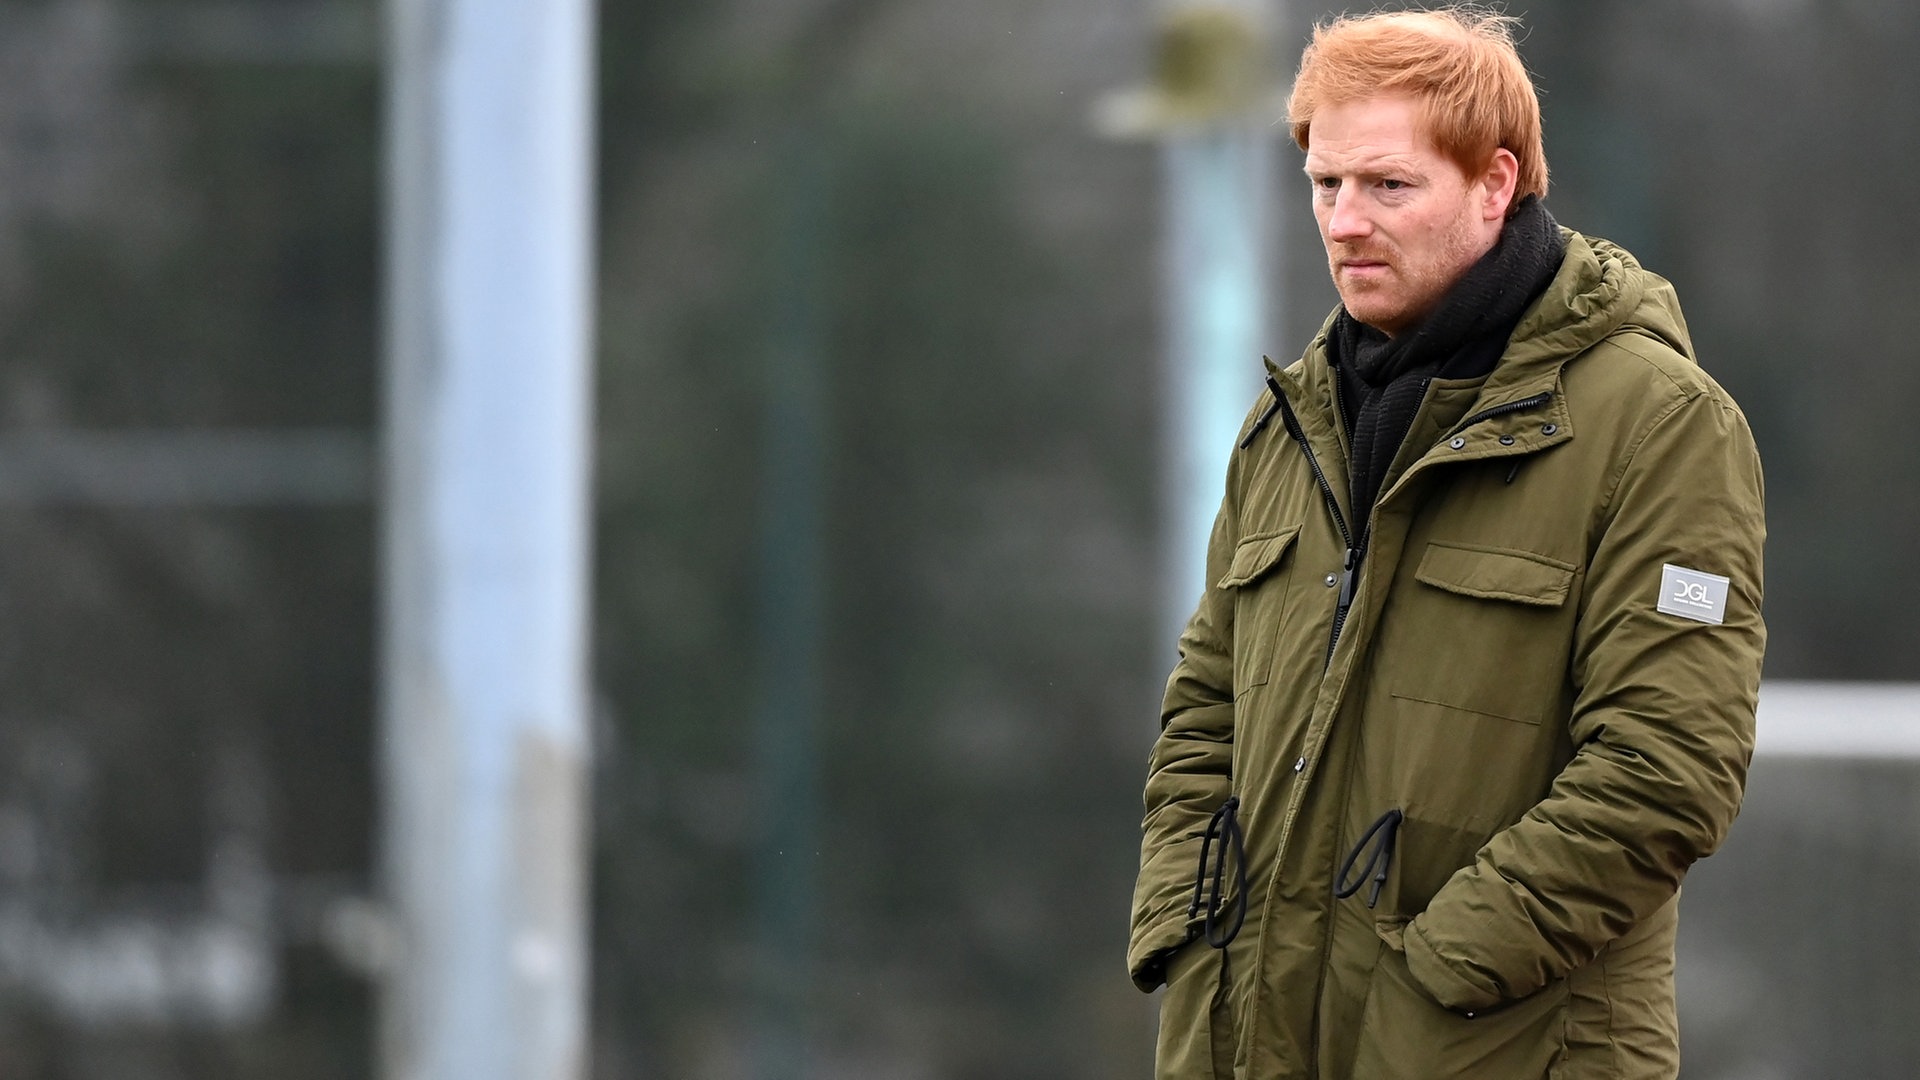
792,625
1217,179
486,538
1212,108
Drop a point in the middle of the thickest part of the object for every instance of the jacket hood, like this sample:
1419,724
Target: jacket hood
1600,288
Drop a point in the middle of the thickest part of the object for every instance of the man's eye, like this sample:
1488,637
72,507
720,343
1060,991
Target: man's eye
1327,183
1393,185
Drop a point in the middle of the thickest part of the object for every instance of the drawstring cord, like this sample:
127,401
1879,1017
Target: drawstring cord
1225,824
1387,827
1376,844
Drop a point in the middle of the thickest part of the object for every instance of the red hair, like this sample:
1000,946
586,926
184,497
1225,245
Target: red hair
1458,62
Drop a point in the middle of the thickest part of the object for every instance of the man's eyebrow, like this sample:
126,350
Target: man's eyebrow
1373,167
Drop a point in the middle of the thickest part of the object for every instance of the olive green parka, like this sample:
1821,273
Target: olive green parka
1558,748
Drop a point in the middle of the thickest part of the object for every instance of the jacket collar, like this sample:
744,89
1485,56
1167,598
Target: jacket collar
1599,288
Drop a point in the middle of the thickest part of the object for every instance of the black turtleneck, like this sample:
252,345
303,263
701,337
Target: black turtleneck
1383,380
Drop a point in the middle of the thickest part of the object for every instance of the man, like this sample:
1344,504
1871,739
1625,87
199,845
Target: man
1472,681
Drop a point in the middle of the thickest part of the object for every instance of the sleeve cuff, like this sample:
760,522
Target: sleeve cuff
1441,980
1147,959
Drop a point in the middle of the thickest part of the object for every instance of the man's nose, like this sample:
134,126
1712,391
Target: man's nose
1347,220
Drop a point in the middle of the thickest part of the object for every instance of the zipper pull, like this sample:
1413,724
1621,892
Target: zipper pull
1348,579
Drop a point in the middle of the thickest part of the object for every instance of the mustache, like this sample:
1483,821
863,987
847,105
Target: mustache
1347,254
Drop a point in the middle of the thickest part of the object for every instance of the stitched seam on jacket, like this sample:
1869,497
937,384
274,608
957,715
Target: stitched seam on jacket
1606,991
1464,708
1517,553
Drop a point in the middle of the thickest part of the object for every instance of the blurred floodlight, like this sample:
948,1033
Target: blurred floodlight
1211,64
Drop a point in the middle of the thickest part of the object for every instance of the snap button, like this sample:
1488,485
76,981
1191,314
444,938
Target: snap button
1506,440
1300,766
1549,429
1332,580
1457,442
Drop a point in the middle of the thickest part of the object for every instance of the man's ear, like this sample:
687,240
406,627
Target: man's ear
1502,175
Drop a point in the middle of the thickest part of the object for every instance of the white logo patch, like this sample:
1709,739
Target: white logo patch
1693,594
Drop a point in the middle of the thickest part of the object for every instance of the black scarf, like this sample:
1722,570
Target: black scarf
1383,380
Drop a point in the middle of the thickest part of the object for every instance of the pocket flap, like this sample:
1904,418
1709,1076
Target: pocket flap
1257,554
1521,577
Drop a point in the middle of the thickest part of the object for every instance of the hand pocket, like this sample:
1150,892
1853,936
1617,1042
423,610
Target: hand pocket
1406,1035
1196,1023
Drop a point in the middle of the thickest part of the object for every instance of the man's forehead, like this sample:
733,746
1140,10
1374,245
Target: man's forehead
1368,134
1364,159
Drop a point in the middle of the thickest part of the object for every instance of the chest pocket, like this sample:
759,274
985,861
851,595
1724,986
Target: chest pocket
1258,579
1520,577
1497,631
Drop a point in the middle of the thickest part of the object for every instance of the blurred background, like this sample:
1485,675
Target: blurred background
880,312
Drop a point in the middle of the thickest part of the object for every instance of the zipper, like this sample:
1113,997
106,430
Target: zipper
1522,405
1292,424
1351,562
1345,424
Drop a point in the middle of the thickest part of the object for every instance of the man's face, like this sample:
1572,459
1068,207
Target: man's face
1401,222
